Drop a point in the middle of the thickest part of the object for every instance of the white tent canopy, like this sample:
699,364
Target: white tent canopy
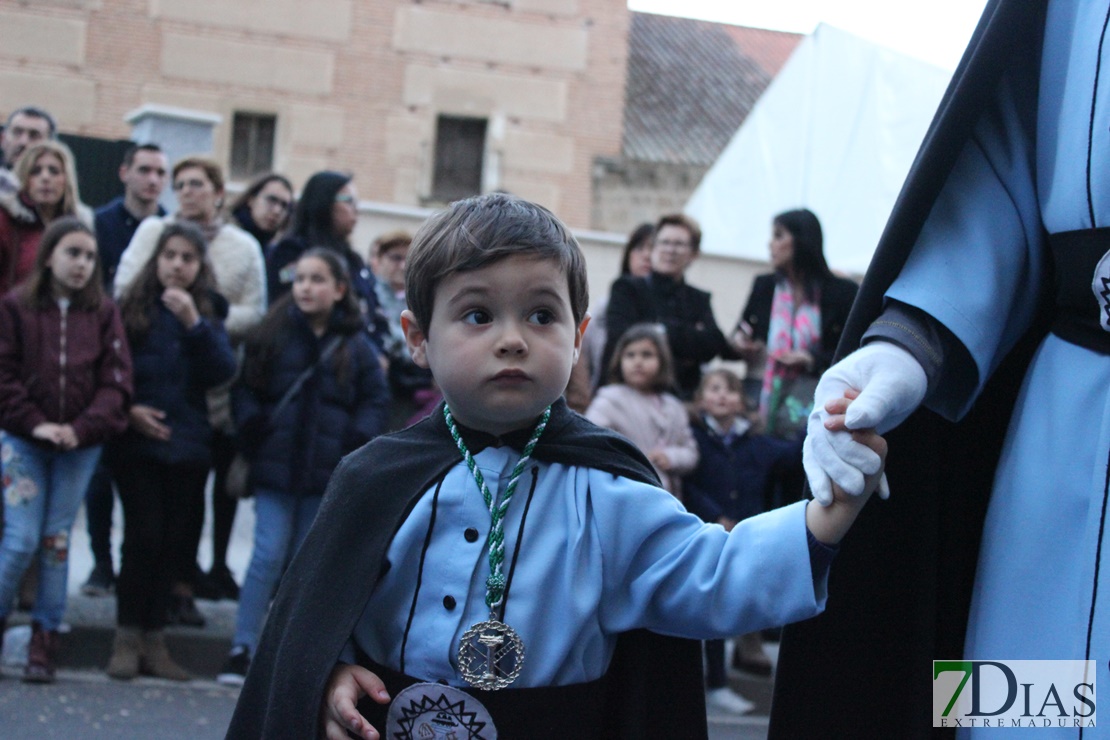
835,132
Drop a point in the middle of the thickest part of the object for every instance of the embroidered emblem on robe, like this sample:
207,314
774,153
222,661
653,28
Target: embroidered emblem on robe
1100,284
432,711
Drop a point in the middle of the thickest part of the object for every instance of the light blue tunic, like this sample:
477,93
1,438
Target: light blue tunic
600,555
976,269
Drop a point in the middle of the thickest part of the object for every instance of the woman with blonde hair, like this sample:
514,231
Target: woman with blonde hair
48,191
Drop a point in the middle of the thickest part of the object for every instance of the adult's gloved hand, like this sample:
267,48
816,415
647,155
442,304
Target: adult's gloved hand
891,384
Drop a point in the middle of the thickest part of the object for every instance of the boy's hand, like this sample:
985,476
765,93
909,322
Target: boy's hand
892,385
829,522
837,422
348,684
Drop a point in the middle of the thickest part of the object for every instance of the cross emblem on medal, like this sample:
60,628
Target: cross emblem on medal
491,655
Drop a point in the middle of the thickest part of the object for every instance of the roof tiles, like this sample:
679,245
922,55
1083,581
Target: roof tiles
691,83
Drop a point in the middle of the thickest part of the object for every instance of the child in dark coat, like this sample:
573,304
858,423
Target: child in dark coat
735,478
315,332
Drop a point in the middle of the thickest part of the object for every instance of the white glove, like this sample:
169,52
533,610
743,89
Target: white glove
891,384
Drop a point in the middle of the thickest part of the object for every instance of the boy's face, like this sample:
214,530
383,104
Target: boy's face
719,401
501,343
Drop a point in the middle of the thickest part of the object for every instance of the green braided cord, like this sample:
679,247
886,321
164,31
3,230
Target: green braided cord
495,584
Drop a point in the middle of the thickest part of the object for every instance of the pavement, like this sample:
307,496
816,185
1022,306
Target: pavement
91,621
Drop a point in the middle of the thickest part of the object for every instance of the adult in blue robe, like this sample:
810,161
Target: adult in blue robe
992,545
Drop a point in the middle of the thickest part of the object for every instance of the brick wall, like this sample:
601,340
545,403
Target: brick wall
355,84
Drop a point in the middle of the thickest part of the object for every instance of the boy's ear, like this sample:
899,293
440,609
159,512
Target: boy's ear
415,338
578,334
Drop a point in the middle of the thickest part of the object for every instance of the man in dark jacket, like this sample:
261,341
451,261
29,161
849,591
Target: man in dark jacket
143,174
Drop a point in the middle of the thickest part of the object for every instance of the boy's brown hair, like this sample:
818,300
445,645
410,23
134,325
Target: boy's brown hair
732,381
479,231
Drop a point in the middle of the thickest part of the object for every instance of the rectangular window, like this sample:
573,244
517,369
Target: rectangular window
460,150
252,144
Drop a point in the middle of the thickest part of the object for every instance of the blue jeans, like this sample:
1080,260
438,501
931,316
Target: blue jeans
281,521
43,489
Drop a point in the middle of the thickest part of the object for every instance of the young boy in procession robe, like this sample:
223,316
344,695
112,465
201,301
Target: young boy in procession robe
504,567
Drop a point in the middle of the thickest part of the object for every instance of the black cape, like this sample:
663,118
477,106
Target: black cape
654,683
901,588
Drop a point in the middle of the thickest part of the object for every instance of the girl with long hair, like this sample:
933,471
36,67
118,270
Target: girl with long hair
65,381
639,403
311,391
174,321
326,216
240,277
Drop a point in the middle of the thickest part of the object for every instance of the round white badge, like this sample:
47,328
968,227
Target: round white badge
1100,284
432,711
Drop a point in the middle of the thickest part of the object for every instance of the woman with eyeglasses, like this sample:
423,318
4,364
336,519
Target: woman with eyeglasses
663,297
326,215
240,273
263,209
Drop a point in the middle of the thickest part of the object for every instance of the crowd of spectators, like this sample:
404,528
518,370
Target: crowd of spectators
256,347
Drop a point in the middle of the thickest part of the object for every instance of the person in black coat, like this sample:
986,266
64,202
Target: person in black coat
264,208
665,298
312,391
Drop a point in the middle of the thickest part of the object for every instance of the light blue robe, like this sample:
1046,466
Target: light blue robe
599,555
977,268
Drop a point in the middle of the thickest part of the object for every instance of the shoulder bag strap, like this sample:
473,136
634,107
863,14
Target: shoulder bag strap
295,387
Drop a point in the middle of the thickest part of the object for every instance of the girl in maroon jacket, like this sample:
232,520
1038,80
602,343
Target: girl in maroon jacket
65,381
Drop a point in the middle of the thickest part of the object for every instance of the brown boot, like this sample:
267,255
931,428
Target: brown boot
126,648
156,660
41,655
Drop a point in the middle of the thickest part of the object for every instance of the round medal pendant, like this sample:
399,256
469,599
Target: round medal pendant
491,655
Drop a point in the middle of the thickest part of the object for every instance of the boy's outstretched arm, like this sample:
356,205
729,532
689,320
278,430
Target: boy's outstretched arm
830,523
348,683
